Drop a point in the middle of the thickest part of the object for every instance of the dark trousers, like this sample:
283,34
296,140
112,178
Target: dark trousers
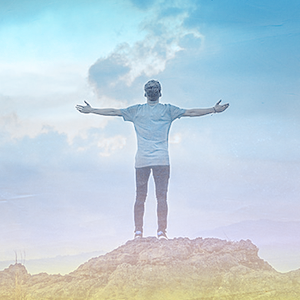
161,176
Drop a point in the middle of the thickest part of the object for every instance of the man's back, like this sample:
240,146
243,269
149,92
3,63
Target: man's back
152,124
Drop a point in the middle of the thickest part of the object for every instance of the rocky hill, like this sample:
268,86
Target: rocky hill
154,269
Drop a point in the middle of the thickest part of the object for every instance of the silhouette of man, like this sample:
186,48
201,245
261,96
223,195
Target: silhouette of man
152,122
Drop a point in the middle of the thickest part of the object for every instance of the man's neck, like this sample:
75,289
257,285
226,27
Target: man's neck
152,102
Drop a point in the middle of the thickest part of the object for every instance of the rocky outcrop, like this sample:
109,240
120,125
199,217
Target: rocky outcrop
161,269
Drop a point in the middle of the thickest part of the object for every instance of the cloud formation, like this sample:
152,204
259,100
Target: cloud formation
114,75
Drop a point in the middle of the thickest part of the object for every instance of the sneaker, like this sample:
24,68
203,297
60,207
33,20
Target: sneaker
162,235
138,235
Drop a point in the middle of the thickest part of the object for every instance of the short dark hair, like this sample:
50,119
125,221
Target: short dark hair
155,82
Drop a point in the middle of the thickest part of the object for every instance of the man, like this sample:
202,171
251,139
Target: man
152,122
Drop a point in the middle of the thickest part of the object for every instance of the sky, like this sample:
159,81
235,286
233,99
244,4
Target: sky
67,182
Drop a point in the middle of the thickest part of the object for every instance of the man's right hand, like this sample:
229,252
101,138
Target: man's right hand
84,109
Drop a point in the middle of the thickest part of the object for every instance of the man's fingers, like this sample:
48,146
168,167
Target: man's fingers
86,103
225,106
218,102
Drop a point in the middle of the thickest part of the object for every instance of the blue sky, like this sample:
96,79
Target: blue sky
67,179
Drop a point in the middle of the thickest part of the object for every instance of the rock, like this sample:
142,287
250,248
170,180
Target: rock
153,269
12,281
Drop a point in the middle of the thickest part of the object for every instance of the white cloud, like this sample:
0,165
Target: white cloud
39,78
110,145
175,138
145,58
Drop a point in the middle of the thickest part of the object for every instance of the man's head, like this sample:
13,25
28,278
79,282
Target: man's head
152,90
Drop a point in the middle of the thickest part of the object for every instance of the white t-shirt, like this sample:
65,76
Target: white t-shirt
152,124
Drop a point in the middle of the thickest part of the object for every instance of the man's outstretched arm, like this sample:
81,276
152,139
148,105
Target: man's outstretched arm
198,112
87,109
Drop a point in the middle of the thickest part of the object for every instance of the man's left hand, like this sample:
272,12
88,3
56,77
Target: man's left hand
220,108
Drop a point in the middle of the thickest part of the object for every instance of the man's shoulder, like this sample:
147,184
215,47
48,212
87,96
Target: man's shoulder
131,108
144,106
170,106
134,106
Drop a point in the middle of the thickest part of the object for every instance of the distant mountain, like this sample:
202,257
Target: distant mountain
62,264
278,242
151,269
259,231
